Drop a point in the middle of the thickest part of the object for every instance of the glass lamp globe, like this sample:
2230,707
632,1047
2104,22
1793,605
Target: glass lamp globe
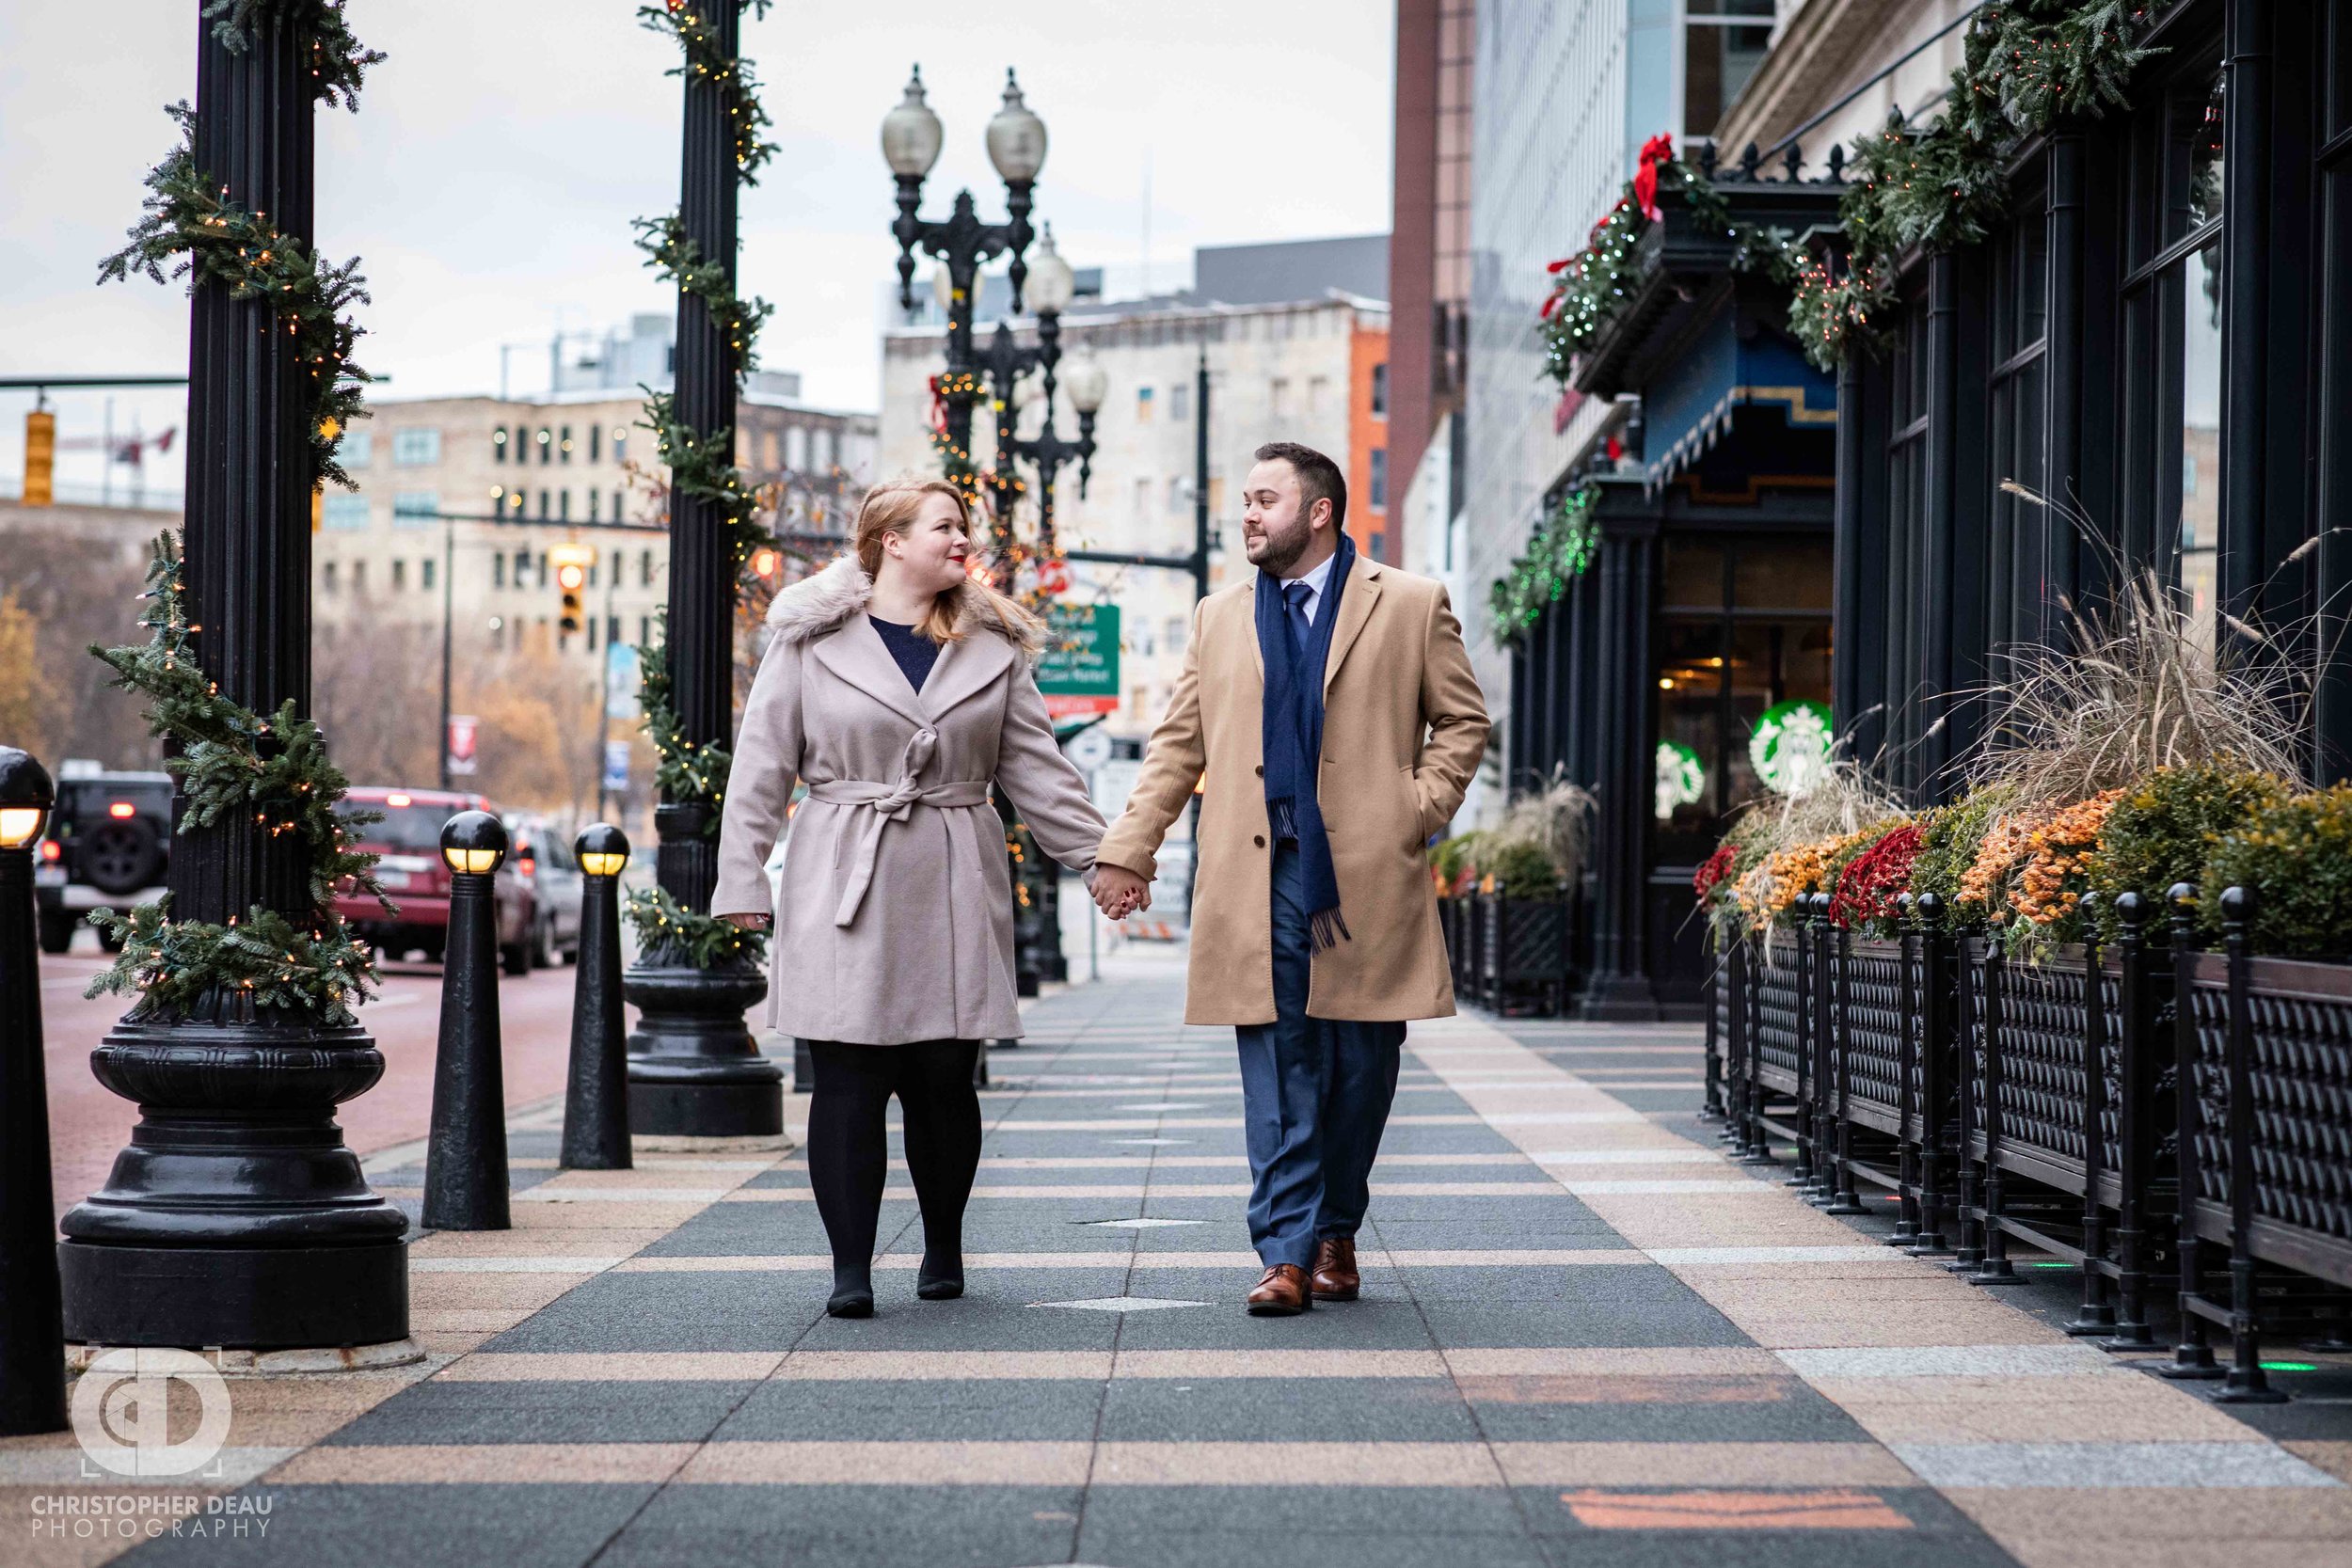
1052,285
474,840
25,797
603,850
911,134
944,289
1016,138
1086,382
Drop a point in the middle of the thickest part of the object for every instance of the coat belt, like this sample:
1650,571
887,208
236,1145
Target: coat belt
890,803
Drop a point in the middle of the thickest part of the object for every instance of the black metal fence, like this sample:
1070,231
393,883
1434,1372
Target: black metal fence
1513,952
2066,1103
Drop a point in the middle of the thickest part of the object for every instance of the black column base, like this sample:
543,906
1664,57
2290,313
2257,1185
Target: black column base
692,1068
1619,999
237,1218
240,1298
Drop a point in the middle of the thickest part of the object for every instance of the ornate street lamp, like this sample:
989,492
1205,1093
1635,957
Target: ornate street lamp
910,140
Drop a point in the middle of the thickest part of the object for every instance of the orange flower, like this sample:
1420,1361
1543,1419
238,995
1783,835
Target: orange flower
2058,862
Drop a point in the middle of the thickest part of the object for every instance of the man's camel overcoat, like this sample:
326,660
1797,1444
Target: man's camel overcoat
1403,728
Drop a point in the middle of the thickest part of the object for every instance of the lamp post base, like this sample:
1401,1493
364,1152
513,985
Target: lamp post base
237,1218
692,1068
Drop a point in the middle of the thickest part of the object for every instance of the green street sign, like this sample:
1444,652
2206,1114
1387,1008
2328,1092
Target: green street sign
1079,673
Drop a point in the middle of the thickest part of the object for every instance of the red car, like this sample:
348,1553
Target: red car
416,878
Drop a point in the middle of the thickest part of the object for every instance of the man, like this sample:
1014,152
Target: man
1328,708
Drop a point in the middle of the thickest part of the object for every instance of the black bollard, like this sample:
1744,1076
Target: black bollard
465,1164
595,1099
32,1320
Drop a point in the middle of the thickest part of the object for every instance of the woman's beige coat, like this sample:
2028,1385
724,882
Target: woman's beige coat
1404,727
893,921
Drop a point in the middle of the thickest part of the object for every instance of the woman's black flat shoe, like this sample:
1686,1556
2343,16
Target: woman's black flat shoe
939,1290
850,1304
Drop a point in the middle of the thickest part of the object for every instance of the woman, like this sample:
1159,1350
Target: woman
898,687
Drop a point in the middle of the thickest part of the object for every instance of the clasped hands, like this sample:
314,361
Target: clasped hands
1118,892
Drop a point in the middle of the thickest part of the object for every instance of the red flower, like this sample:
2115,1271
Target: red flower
1867,888
1710,875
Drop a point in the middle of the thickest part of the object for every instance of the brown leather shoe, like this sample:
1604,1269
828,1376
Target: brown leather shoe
1335,1276
1282,1291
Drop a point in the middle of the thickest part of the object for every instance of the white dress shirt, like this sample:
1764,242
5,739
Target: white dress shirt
1314,581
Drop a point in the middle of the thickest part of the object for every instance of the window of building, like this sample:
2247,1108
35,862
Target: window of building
645,630
497,571
498,445
399,575
596,442
591,625
415,447
644,568
618,514
1143,500
340,509
356,449
425,570
1179,493
547,445
2017,544
564,505
1378,498
415,508
326,576
1380,390
1724,41
1278,397
832,448
1318,395
612,628
2172,344
358,577
564,442
796,447
596,498
1143,405
543,505
620,443
1180,403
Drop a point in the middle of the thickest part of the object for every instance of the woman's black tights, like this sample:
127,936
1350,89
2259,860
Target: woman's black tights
848,1155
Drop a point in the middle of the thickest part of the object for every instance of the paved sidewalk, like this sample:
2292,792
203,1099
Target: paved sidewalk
1585,1338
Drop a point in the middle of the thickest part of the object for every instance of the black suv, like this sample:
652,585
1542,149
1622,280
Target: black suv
108,845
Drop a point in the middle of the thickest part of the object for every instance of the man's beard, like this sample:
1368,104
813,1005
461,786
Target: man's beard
1283,550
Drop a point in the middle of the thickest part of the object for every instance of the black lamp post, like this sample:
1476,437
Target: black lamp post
32,1326
596,1097
237,1216
693,1071
465,1163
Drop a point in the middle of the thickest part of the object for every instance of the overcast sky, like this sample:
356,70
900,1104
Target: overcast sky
487,182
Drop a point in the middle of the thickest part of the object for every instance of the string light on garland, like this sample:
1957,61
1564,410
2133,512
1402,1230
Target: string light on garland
667,928
1558,552
705,59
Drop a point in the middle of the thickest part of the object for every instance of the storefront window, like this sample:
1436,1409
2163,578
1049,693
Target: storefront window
1745,626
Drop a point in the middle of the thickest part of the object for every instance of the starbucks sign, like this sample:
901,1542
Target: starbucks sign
1789,750
1681,777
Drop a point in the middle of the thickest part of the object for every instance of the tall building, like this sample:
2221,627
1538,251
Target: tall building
1293,355
1429,262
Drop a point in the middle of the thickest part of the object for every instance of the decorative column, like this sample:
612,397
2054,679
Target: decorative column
693,1069
1619,986
237,1218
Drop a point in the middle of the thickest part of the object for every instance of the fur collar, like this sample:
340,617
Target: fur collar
816,605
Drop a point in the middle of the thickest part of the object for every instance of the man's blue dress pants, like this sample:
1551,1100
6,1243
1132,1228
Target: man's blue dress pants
1315,1096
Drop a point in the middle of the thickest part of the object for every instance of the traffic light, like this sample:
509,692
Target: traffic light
571,564
40,451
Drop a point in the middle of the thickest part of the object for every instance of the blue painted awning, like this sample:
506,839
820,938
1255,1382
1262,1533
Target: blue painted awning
1686,411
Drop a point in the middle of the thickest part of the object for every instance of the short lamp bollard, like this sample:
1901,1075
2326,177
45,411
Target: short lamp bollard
32,1322
595,1099
464,1164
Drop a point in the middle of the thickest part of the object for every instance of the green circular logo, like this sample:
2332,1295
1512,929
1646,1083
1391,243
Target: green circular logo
1790,748
1681,777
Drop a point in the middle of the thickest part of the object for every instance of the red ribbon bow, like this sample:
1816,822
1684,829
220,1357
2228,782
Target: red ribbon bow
1658,149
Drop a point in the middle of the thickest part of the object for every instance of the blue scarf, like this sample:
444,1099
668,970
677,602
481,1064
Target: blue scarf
1293,738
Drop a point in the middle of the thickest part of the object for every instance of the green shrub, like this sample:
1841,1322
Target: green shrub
1522,867
1952,835
2296,856
2164,830
1453,856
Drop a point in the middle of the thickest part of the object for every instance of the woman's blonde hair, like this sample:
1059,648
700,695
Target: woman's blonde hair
892,507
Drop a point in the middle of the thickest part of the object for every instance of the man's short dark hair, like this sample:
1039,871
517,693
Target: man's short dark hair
1319,477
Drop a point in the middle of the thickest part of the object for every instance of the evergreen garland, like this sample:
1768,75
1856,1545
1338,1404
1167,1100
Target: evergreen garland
666,927
337,58
704,57
672,253
230,761
701,465
1558,552
684,773
189,225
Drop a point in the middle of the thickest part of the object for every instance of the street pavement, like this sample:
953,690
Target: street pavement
1585,1338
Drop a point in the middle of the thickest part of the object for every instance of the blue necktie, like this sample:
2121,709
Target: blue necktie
1295,599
